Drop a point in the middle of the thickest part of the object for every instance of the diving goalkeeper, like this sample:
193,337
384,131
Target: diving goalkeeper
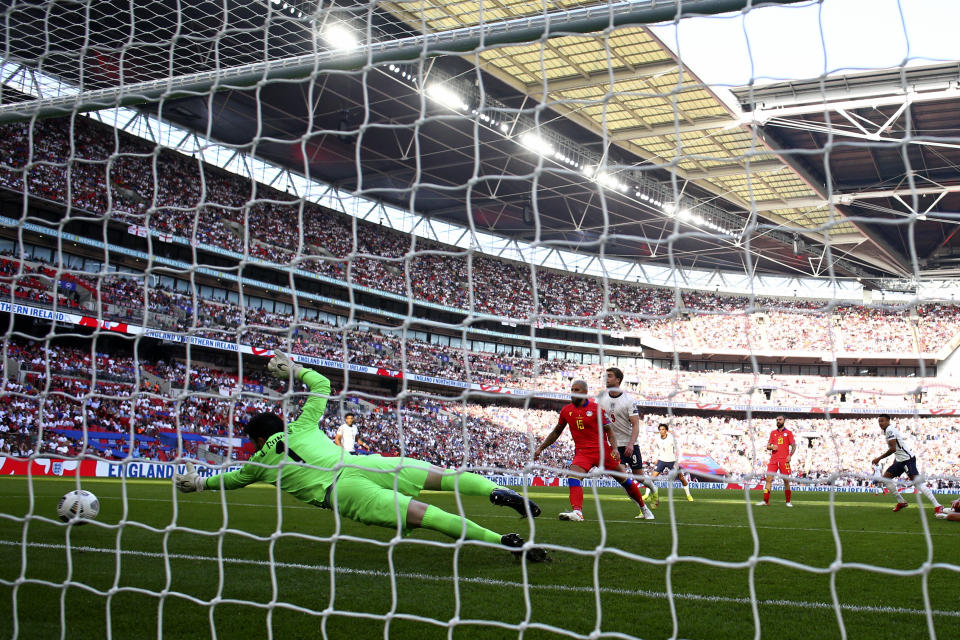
370,489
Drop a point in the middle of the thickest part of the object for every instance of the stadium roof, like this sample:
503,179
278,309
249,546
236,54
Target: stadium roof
629,150
628,88
882,146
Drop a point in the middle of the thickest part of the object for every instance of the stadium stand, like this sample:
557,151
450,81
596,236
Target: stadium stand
120,423
437,274
207,405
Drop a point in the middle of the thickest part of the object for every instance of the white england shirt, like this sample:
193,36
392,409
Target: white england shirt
348,436
665,448
904,446
618,411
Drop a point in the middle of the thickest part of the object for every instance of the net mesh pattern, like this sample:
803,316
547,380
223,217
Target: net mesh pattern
453,211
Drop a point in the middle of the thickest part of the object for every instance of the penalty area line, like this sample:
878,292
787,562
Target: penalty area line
641,593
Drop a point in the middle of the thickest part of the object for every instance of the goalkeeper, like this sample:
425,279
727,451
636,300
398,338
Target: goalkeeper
373,490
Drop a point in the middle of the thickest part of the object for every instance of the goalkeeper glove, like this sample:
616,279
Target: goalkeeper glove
281,366
190,481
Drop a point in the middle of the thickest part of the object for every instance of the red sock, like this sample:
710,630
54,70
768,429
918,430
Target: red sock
576,498
766,496
786,493
633,491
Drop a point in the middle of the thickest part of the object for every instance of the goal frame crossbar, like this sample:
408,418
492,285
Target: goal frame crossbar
403,50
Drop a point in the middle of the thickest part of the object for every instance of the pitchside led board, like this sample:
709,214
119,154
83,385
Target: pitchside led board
165,470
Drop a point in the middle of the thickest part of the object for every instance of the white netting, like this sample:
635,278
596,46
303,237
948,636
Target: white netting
453,211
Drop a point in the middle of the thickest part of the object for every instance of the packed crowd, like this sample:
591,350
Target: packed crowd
768,390
386,349
448,434
54,405
36,284
824,446
127,296
60,393
232,213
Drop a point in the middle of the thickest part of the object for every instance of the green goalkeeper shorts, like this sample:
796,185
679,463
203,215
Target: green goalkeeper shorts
379,491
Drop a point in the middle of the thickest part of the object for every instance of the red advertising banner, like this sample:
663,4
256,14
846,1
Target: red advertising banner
52,467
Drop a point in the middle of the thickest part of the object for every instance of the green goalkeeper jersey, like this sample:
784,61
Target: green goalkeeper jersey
302,461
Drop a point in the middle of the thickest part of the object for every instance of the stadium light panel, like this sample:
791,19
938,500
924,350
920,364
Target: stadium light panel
447,97
606,180
537,144
340,37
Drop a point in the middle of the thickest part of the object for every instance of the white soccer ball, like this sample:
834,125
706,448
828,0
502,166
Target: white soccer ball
78,506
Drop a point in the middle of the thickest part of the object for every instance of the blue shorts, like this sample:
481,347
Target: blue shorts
631,457
665,466
898,467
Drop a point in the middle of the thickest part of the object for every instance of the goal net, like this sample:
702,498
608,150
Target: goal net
456,213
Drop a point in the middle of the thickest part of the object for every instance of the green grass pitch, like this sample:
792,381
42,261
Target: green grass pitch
166,573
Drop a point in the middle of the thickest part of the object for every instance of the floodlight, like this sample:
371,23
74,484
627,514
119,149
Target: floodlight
535,143
340,37
446,96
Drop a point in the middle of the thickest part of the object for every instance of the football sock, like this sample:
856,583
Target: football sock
925,490
469,484
576,494
648,483
766,496
787,493
892,488
439,520
686,490
632,490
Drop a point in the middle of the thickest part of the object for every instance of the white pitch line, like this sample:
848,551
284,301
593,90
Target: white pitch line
643,593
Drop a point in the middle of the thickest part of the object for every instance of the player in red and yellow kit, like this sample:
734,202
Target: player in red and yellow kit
592,448
783,446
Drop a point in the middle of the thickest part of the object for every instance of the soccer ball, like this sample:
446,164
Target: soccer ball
78,506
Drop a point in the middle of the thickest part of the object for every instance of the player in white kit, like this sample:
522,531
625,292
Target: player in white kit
620,410
905,460
667,453
348,436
